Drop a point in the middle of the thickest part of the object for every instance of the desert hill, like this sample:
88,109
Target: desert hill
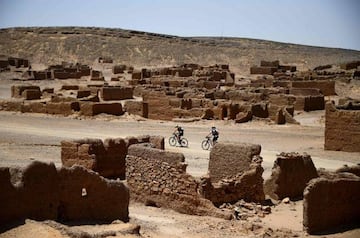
53,45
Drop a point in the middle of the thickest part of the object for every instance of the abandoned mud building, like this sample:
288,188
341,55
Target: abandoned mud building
158,177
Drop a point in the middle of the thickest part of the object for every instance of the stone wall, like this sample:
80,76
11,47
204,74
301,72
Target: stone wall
162,181
229,159
342,129
290,174
331,203
40,192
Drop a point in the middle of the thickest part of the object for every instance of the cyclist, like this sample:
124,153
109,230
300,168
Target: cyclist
215,134
179,132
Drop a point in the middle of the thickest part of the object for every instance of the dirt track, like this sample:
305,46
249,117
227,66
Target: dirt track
35,136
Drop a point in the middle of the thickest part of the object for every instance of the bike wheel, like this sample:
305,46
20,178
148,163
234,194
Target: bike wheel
184,142
172,141
205,145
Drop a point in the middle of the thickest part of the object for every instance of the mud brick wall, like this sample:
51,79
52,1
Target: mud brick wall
74,194
229,159
92,109
282,99
83,93
108,158
61,74
158,106
27,194
305,91
17,90
84,195
70,87
31,94
276,113
263,70
36,107
62,108
275,63
41,75
153,154
116,93
330,203
183,72
290,174
342,129
326,87
313,103
118,69
137,108
136,75
350,65
247,185
260,110
11,105
154,181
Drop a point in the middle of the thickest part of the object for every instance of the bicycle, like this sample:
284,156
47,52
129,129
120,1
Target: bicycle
173,140
207,144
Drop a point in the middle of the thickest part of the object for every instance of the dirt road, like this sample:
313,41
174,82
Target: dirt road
25,137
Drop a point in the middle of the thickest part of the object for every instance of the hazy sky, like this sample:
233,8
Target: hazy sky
330,23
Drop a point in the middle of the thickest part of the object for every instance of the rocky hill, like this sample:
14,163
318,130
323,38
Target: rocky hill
52,45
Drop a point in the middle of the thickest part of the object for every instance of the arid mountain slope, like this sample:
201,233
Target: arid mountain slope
52,45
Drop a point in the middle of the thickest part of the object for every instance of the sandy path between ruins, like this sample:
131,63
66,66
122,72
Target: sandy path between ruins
26,137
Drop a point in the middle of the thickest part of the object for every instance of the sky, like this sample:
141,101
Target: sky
328,23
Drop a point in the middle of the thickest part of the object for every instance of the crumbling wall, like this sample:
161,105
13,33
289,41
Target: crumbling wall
137,108
229,159
108,158
40,192
290,174
342,129
163,181
330,203
84,195
247,185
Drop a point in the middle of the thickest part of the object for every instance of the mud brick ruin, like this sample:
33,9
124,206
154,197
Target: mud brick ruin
330,202
290,174
67,194
186,91
107,158
163,181
342,127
